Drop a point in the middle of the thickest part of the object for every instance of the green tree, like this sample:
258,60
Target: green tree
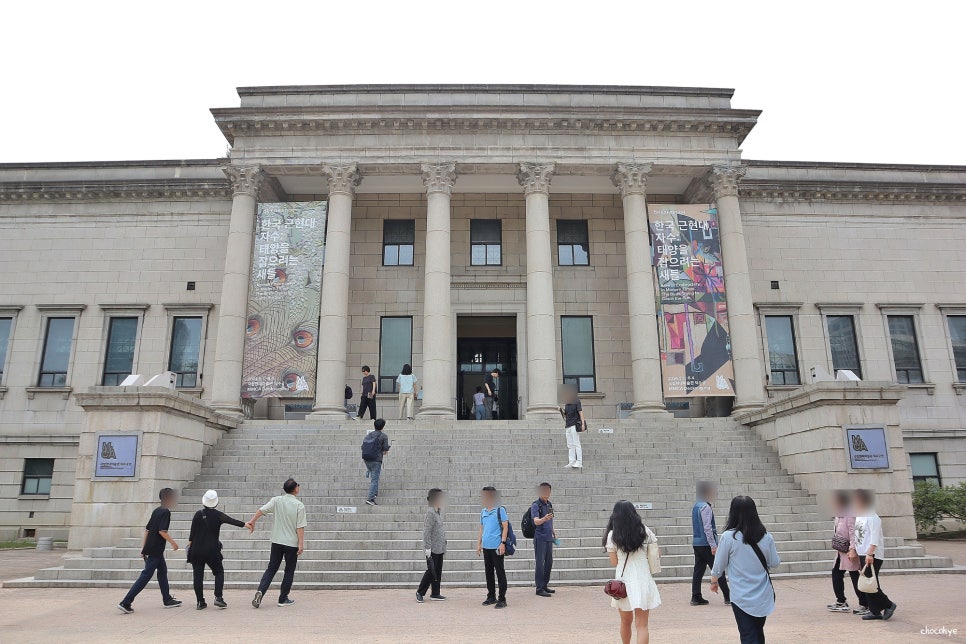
929,505
956,502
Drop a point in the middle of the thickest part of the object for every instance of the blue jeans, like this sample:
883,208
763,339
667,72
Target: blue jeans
479,411
151,564
544,554
373,468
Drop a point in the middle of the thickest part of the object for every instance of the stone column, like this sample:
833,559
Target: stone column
542,377
439,365
749,384
642,321
334,318
233,309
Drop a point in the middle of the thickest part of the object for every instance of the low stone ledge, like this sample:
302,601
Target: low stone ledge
833,392
154,399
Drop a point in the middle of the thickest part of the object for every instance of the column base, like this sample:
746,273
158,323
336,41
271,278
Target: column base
542,412
229,409
328,412
649,410
441,412
747,406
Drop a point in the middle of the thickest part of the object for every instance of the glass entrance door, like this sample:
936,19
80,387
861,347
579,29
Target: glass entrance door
476,357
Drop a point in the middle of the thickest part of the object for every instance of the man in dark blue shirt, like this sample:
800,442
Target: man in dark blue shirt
543,537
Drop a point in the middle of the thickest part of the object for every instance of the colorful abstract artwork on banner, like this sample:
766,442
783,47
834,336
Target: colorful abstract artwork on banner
695,342
281,340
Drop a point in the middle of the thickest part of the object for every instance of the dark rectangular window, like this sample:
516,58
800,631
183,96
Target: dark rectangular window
122,334
577,348
925,467
395,350
56,356
185,357
573,243
486,242
905,349
5,325
844,343
37,475
957,333
398,240
782,356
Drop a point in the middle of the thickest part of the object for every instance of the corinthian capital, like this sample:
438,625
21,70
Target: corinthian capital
725,180
631,178
439,177
535,177
245,179
343,178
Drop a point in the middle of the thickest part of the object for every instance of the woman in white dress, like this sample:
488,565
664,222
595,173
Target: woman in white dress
626,539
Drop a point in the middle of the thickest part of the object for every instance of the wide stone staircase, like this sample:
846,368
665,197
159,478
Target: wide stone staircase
352,545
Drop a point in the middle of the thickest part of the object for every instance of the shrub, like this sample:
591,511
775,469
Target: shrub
929,505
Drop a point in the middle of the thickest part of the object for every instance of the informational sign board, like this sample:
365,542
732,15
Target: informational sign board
693,321
117,455
867,446
281,338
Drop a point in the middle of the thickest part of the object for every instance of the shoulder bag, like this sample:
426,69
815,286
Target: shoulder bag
653,557
839,543
764,564
869,585
615,587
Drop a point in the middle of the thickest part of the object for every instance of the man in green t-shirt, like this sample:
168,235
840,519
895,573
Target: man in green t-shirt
288,540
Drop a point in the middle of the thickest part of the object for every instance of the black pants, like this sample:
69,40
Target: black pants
704,560
544,564
838,584
751,629
433,575
877,601
290,554
493,562
367,403
217,569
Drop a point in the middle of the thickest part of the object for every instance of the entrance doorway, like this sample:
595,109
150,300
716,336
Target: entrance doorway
484,343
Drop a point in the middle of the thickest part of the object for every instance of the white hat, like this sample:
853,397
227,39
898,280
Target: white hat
210,499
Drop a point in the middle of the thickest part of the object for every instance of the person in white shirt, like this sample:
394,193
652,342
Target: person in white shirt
870,544
407,391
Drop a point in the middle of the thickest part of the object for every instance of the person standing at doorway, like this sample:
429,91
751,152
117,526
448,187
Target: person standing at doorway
491,543
204,547
573,415
490,391
374,447
288,540
152,551
434,547
367,399
407,392
704,542
479,404
543,538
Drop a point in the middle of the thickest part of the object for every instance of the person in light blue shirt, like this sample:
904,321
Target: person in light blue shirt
407,392
494,528
747,552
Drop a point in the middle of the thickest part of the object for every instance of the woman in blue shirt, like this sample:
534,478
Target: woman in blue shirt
407,392
747,552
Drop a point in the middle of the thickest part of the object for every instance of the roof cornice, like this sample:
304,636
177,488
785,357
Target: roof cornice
384,88
160,190
776,189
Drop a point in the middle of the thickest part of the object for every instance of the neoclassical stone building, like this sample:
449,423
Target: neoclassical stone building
472,227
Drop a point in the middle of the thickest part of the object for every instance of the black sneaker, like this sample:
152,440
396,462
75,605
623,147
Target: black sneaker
871,616
887,613
489,601
172,603
699,601
501,604
258,599
550,590
371,502
127,609
543,593
419,598
437,598
286,602
220,603
202,605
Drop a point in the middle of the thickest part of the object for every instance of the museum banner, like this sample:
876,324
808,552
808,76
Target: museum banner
693,318
281,340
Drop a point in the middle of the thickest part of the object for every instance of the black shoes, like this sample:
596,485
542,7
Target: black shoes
699,601
489,601
220,603
437,598
501,604
172,603
127,609
887,613
202,605
543,593
871,616
286,602
419,598
550,590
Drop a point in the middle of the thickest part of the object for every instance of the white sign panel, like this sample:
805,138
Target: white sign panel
867,447
642,506
117,455
345,509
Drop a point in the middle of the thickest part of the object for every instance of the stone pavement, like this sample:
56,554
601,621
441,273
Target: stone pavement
17,563
575,615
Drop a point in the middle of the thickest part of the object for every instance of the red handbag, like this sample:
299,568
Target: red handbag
615,587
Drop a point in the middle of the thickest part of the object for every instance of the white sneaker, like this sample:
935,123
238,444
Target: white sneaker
578,466
568,465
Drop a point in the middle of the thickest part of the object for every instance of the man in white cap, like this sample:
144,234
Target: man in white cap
204,547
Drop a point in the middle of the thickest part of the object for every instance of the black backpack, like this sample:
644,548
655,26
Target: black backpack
527,525
348,392
372,446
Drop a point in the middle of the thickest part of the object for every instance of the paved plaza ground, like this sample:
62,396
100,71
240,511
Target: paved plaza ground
574,615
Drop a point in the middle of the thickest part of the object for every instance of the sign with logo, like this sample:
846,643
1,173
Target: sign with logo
117,455
693,320
867,446
282,334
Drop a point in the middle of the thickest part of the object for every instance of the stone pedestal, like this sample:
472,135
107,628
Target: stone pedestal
334,317
233,310
749,382
642,320
175,432
439,361
806,429
542,376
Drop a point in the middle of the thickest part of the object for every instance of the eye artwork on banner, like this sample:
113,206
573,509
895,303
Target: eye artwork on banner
281,338
693,319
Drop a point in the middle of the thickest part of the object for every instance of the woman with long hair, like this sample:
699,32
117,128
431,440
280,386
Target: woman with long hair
407,392
625,539
747,552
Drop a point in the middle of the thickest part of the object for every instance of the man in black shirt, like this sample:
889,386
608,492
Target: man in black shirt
204,547
367,399
155,534
490,392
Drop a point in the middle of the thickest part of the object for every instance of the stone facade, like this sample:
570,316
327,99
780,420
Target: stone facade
96,240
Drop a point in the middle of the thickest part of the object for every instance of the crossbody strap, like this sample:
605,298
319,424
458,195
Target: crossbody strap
764,564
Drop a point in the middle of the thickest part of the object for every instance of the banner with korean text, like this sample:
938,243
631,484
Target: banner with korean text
693,318
281,339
